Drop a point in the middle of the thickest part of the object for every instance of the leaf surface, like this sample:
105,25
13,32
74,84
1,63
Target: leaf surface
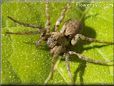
23,63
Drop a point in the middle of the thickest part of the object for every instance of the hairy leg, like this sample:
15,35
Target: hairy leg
82,37
68,66
24,24
89,59
62,15
39,42
54,61
24,33
47,25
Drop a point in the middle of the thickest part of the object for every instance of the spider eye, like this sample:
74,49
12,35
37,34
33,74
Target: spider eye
69,36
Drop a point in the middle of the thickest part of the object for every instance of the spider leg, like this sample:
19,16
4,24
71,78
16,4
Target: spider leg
24,33
47,25
62,15
90,60
68,66
24,24
39,41
82,37
53,64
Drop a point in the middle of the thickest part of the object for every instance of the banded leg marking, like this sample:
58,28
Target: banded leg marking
62,15
47,25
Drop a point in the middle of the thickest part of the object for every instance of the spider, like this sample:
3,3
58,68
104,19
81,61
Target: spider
59,42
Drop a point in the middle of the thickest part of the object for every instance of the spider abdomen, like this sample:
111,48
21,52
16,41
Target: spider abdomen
71,28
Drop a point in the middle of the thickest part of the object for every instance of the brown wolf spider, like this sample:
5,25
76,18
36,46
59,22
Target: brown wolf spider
59,41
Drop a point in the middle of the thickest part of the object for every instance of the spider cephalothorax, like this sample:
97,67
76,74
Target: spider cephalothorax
60,41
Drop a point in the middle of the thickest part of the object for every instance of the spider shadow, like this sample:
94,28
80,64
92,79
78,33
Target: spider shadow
80,70
79,48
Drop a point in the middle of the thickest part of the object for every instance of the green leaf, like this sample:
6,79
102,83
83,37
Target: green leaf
24,63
